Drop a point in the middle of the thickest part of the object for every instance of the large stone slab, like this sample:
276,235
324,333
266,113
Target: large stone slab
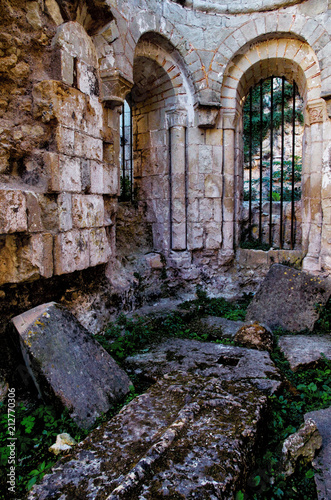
67,365
191,435
302,350
322,462
287,298
206,359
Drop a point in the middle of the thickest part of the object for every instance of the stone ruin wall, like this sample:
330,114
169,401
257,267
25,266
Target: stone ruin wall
66,68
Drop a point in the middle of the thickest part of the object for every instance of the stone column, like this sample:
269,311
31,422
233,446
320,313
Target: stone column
177,121
312,206
229,125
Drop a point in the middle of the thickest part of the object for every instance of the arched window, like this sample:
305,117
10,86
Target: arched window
126,152
273,129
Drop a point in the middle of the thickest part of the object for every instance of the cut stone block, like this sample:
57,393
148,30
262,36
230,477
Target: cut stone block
87,210
287,299
13,217
301,350
100,250
71,251
67,365
25,257
207,359
322,462
189,436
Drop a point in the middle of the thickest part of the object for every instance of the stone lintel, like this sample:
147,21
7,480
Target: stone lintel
114,88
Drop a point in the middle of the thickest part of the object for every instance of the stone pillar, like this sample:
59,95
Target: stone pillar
229,125
312,209
177,121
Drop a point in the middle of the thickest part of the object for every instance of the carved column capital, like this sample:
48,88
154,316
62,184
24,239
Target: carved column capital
177,118
230,118
316,111
114,88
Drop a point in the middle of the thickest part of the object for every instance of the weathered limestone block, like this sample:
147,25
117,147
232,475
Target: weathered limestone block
65,140
207,359
178,236
33,15
322,462
52,100
25,257
195,236
71,251
64,202
73,39
87,210
213,186
34,212
87,147
13,216
154,261
64,173
111,179
188,436
303,350
67,365
213,236
287,299
100,250
302,444
53,11
85,175
97,177
255,336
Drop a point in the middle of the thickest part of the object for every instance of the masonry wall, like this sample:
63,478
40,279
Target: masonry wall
66,70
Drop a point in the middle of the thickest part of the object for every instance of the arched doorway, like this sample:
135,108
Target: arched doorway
294,60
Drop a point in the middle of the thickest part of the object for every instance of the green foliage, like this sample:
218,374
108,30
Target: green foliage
253,129
216,307
323,324
125,188
304,391
36,428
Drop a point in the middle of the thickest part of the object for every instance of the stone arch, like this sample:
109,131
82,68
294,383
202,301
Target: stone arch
162,99
296,60
156,48
277,25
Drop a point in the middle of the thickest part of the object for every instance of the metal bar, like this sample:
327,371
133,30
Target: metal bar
123,153
282,168
250,162
293,167
131,151
186,184
271,156
170,188
261,159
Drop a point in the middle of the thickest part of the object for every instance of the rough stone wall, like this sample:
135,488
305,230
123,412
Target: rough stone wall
66,68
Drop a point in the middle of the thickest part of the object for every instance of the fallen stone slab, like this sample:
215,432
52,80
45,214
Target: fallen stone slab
68,366
302,350
287,299
322,462
189,436
206,359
